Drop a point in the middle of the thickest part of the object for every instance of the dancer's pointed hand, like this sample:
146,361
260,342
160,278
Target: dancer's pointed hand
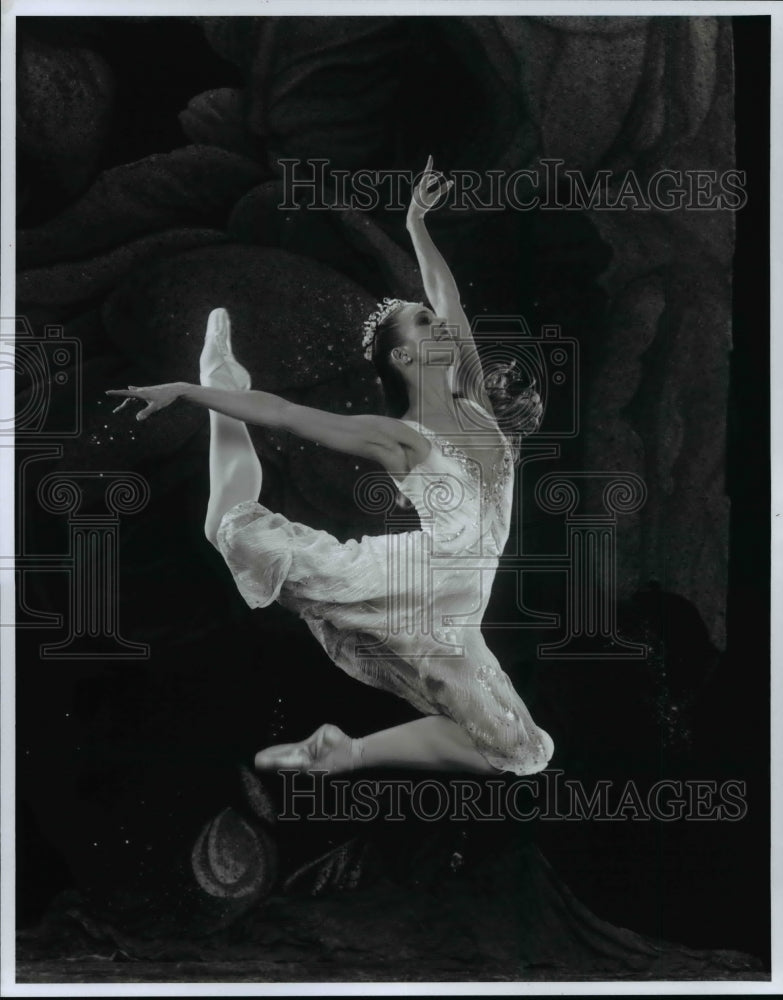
155,396
432,184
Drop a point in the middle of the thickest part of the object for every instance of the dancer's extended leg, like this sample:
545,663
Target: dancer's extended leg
234,468
432,743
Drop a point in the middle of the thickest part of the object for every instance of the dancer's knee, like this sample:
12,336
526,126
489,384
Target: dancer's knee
539,750
526,753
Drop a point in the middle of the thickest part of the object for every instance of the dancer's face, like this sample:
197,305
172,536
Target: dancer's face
417,327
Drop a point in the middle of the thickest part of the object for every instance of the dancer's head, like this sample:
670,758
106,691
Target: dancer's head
395,341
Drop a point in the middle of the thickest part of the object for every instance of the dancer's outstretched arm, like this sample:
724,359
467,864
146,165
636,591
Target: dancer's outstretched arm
381,439
440,286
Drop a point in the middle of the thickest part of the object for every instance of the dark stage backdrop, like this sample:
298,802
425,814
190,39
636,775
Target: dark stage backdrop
148,187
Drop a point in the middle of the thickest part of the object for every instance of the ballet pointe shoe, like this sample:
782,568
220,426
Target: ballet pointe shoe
218,368
328,749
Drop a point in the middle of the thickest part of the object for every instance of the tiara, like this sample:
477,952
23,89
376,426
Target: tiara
374,320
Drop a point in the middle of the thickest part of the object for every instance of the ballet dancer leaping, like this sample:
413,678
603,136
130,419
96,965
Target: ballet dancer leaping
473,720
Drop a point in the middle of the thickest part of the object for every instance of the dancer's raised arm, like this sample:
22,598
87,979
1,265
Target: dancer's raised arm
380,439
440,286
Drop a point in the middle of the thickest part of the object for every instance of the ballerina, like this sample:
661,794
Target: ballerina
400,612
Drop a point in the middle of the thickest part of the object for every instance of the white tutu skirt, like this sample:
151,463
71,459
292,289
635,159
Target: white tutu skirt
389,613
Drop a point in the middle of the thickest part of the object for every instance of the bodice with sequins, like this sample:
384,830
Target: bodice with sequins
463,503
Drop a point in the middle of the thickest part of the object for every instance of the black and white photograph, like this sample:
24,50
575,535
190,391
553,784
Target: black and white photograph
387,498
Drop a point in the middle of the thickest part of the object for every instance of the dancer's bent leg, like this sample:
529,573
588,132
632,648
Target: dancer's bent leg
432,743
234,468
438,743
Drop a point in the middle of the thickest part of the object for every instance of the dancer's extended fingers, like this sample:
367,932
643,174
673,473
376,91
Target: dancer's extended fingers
428,176
437,190
151,407
131,393
442,184
132,390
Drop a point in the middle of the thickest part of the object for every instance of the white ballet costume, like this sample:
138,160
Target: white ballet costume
402,612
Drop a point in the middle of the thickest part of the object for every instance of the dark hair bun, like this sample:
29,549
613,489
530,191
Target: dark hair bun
515,401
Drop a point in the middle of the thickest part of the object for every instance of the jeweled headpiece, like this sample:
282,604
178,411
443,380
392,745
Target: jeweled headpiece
374,320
